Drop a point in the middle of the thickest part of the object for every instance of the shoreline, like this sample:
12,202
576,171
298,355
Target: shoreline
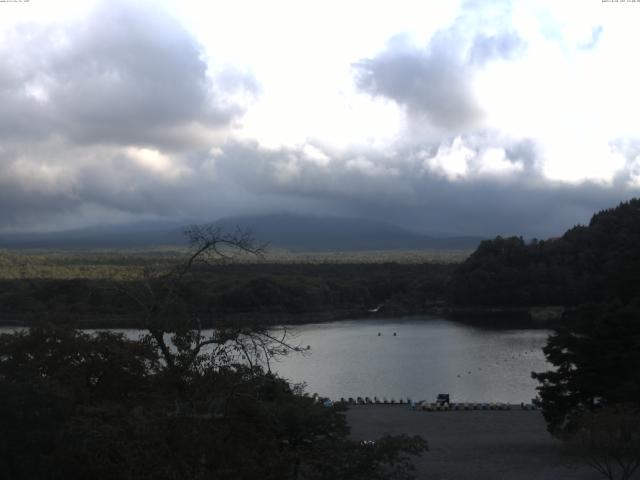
510,318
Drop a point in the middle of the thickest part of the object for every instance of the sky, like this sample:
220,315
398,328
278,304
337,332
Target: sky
469,118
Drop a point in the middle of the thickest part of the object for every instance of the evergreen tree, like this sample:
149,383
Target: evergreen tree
596,356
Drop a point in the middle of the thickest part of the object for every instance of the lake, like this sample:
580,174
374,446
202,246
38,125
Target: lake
427,356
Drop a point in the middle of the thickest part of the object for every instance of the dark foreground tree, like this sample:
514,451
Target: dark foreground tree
592,398
597,363
599,262
181,403
608,440
74,405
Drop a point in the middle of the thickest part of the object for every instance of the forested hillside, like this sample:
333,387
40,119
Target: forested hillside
597,262
302,291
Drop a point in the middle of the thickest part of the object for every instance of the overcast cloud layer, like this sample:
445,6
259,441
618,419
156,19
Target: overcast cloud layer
495,119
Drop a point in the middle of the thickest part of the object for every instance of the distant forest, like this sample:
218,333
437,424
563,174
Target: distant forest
93,406
599,262
594,263
267,292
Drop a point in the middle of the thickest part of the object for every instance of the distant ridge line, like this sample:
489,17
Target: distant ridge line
296,233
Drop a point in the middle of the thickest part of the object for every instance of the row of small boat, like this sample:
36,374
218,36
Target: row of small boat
430,407
374,401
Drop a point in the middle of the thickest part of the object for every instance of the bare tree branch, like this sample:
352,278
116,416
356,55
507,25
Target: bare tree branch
608,439
159,297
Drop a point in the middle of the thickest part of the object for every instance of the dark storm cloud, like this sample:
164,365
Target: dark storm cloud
436,81
244,178
29,207
115,118
402,190
75,96
526,151
126,74
426,82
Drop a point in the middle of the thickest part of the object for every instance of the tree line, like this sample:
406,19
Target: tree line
229,289
593,263
591,399
190,405
178,403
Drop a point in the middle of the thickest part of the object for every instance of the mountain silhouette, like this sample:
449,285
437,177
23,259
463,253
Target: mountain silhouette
286,231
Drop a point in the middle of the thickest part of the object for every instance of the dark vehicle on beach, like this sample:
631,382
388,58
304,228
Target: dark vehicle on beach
443,399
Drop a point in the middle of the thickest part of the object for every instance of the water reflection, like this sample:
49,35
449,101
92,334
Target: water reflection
427,356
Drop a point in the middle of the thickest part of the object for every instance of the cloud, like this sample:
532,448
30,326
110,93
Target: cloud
452,161
436,81
123,116
429,83
109,117
596,33
505,46
128,73
504,191
506,194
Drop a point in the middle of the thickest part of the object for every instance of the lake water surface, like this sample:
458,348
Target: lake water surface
427,356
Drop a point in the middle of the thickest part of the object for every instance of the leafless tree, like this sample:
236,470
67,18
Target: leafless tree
179,335
608,440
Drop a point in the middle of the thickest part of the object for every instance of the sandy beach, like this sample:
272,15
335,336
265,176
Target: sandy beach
476,445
